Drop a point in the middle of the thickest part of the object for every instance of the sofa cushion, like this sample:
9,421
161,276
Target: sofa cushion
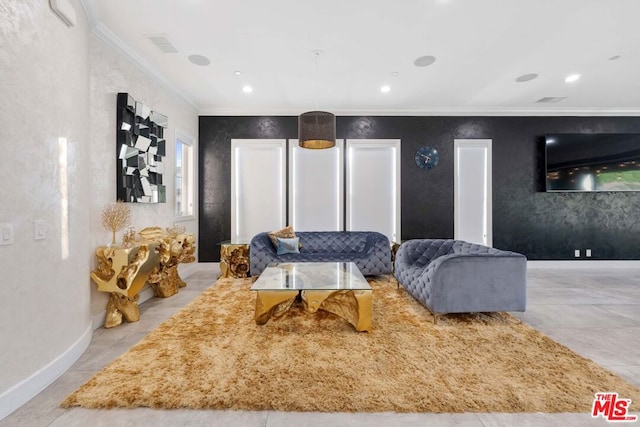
288,246
285,233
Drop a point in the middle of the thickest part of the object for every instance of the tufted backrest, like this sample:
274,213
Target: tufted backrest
370,251
421,252
338,242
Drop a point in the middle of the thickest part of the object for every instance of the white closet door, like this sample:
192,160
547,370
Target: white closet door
373,186
316,187
258,187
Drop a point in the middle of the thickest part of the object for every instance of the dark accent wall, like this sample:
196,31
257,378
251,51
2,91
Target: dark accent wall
543,226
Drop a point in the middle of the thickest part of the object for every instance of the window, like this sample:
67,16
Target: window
184,176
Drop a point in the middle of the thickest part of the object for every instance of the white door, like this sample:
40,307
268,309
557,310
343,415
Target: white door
258,183
373,186
472,191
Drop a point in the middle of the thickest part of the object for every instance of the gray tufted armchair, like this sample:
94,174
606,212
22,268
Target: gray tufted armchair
454,276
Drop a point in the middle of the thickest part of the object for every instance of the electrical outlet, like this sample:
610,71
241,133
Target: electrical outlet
576,253
6,234
40,230
588,253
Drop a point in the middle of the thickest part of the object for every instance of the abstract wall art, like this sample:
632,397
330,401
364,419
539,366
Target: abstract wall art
140,149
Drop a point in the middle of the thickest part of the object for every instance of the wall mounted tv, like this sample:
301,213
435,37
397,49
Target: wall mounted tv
592,162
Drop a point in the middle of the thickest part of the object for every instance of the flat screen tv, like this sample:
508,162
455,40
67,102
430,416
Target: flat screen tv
592,162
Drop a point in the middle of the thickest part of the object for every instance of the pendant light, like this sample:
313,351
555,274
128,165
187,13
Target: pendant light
317,129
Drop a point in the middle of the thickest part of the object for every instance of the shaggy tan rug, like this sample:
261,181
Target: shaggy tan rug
212,355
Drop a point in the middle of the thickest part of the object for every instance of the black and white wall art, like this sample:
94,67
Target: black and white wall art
140,149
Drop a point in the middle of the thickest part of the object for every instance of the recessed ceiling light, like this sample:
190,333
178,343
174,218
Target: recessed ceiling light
424,61
237,73
613,58
395,74
526,77
247,89
385,89
572,78
199,60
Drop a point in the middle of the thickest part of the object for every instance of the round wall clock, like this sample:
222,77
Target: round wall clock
427,157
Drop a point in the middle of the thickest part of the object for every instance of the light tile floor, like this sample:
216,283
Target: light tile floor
594,312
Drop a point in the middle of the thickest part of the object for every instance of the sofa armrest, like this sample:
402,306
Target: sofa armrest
377,257
496,281
261,253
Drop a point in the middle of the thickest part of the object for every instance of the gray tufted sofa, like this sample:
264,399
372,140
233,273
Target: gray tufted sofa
369,250
454,276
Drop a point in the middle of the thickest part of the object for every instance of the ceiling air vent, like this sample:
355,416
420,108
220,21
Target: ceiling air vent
551,99
162,42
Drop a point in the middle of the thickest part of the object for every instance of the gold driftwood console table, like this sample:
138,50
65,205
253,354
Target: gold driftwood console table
123,271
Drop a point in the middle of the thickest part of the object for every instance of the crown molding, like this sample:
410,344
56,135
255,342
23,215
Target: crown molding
444,111
112,39
105,34
90,12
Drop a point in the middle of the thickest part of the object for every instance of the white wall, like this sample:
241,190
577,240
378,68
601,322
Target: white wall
59,82
110,73
44,290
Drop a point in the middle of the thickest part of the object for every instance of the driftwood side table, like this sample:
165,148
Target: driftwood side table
234,259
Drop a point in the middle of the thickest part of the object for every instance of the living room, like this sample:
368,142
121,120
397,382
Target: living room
59,87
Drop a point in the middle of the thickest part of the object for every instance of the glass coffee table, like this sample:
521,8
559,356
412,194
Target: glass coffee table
336,287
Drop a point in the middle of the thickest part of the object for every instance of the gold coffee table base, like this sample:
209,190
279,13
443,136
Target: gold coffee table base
273,304
353,306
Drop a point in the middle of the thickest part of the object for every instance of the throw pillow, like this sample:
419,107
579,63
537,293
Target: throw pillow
285,233
288,246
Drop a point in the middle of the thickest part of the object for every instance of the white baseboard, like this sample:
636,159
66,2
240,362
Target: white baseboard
27,389
590,264
98,319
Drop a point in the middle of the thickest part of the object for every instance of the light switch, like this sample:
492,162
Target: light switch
40,230
6,234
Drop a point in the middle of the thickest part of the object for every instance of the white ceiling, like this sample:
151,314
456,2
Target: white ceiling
481,47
